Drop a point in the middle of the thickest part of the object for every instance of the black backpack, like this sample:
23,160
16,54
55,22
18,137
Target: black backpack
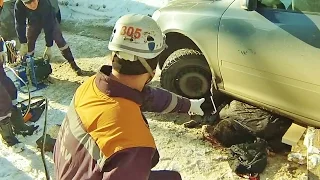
270,128
248,158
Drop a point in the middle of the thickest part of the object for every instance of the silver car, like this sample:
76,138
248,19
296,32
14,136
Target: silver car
263,52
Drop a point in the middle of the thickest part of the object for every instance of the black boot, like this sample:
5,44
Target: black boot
19,125
75,68
67,54
7,133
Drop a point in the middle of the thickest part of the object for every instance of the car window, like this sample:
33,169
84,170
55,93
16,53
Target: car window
305,6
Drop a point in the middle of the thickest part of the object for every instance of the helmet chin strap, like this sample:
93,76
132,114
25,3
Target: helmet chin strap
147,66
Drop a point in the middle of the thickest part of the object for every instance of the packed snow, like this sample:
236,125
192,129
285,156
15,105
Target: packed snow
107,10
181,149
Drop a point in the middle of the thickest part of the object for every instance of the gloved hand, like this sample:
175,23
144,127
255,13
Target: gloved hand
195,108
23,49
48,53
2,56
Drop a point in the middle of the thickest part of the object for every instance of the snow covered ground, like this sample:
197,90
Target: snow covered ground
106,10
180,148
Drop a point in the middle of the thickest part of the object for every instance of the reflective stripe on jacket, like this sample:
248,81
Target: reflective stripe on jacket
104,134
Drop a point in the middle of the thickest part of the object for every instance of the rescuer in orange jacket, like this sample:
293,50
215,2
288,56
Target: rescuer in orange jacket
104,134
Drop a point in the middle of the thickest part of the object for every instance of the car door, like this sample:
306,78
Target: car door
272,55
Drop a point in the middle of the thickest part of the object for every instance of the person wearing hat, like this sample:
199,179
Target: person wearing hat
104,134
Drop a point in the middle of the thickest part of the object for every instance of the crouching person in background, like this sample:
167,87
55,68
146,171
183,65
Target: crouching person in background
11,120
104,134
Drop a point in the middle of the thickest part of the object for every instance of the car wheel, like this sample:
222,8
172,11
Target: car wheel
186,73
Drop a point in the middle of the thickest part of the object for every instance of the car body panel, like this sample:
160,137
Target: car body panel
267,57
272,56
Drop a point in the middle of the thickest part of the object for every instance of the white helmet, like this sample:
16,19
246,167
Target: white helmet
137,35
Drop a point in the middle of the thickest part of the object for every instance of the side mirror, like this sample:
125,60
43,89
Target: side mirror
249,5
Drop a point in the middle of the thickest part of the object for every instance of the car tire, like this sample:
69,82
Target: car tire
186,73
189,61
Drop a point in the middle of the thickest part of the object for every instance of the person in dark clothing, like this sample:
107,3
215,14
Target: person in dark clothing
11,120
5,105
40,15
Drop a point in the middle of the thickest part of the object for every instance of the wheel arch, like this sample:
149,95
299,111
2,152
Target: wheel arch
175,35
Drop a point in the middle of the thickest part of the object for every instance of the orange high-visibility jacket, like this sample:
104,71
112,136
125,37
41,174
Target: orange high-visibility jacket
104,134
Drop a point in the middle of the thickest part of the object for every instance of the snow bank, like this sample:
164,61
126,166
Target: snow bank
108,11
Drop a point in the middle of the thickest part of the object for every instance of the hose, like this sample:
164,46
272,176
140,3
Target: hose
14,55
29,94
44,134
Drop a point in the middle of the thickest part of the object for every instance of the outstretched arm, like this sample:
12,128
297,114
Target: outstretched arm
162,101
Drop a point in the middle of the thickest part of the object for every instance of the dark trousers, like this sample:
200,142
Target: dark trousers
8,84
33,32
8,92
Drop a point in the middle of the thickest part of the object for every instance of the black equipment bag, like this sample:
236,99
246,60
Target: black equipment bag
42,69
248,158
